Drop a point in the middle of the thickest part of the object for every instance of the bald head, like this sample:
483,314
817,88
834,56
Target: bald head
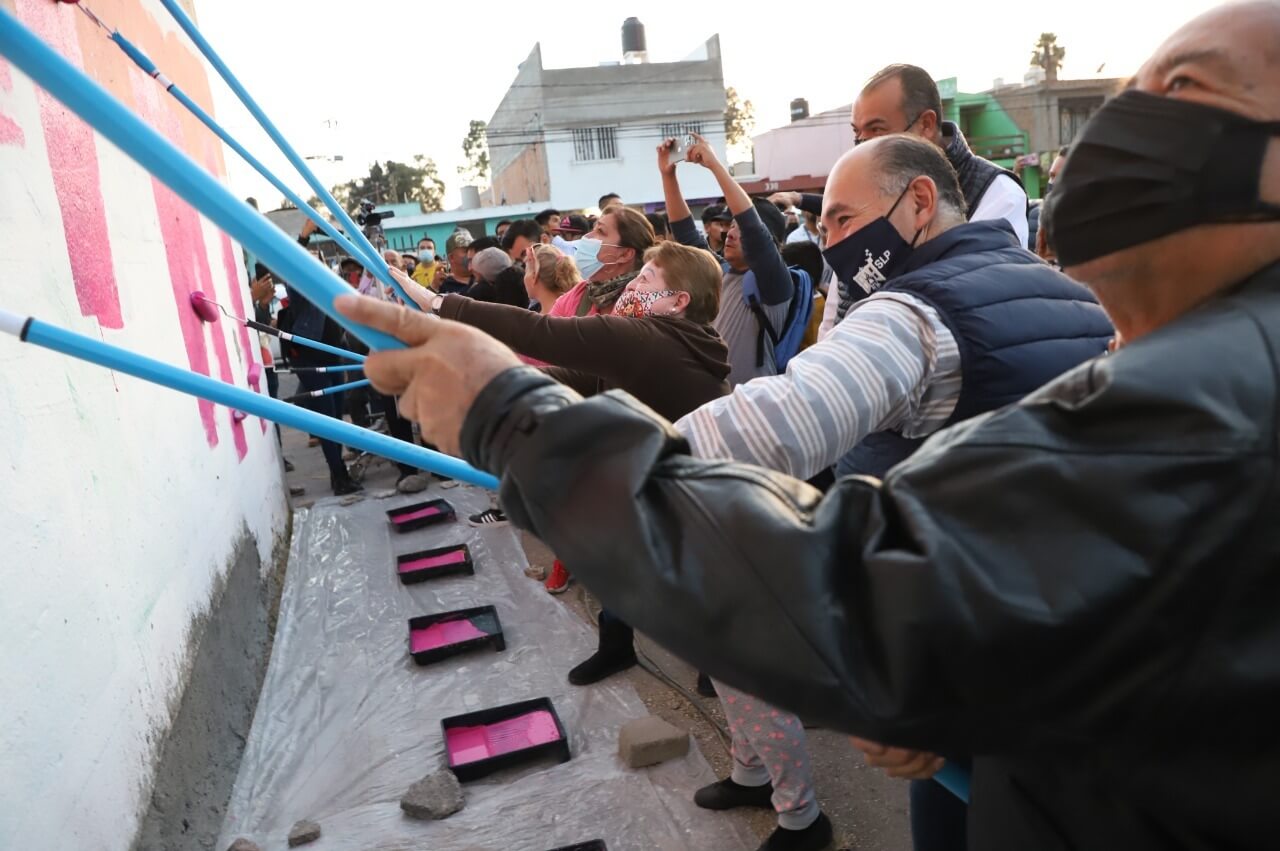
1228,59
870,179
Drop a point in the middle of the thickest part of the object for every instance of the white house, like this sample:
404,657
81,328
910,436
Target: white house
564,137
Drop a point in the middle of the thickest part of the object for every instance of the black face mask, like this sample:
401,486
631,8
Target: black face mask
1146,166
865,259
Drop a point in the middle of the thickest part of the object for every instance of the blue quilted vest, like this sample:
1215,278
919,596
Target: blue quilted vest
1017,322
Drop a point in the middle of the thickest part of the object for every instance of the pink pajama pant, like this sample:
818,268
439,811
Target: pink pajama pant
769,747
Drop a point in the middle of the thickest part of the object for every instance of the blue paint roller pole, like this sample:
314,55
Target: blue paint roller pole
330,391
376,264
144,62
153,152
954,779
348,367
52,337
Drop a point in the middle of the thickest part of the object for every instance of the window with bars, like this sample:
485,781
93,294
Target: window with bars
678,129
595,143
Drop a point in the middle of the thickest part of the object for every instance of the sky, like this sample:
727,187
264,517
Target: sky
387,79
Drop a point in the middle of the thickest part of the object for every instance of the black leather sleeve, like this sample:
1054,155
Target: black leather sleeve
1030,579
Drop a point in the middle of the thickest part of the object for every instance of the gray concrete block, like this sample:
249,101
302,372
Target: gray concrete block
435,796
243,844
303,832
650,740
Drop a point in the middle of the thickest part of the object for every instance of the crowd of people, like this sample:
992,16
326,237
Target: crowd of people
981,488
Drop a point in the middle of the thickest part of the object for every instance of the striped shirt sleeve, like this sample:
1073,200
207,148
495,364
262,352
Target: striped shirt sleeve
891,364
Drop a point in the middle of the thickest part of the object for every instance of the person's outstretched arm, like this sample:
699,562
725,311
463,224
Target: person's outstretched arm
606,346
758,248
679,216
936,610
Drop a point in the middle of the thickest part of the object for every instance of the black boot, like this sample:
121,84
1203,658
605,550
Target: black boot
705,687
343,484
815,837
727,795
616,652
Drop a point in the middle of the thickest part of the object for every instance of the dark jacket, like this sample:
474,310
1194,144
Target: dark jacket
1081,589
1018,324
506,288
672,365
974,173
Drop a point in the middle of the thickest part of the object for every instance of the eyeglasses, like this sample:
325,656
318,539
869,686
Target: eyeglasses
858,140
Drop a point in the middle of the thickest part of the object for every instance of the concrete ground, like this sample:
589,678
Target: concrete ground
869,810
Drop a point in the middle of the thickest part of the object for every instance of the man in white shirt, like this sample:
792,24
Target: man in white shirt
904,99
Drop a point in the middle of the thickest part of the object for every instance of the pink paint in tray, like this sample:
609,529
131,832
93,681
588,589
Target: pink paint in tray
443,634
433,564
430,562
410,517
416,515
480,743
436,637
484,741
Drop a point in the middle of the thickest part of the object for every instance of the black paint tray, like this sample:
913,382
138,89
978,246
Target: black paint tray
436,637
406,518
452,560
593,845
480,743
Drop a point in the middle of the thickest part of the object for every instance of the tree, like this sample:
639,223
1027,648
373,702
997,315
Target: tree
475,147
739,118
1048,56
395,183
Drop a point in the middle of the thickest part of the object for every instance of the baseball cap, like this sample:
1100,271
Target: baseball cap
457,239
572,224
717,213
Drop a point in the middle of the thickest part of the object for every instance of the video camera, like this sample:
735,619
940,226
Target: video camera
371,221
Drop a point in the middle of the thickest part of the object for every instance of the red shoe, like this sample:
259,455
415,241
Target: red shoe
558,581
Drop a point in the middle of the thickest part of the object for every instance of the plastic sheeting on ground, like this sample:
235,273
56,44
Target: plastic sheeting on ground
347,721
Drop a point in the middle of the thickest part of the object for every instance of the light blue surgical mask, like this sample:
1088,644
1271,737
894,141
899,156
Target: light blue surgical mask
587,256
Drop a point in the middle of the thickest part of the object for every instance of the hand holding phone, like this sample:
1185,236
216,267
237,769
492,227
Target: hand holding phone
680,149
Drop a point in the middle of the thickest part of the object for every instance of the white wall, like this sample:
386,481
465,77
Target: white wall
633,175
118,516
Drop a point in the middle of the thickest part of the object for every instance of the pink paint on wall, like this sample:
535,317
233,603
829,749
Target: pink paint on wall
188,260
247,341
10,132
73,161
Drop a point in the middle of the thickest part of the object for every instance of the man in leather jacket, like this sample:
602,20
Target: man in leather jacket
1080,589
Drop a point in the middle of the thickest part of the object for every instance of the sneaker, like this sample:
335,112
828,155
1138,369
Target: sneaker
343,485
488,519
705,687
727,795
815,837
413,483
558,581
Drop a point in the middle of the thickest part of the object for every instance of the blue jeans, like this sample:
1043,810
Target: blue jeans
329,406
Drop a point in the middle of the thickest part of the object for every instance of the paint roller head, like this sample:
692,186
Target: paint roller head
238,416
204,308
255,373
